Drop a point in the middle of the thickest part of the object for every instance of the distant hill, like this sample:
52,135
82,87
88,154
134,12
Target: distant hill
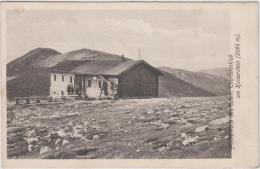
29,61
213,84
25,77
170,85
29,75
84,54
222,71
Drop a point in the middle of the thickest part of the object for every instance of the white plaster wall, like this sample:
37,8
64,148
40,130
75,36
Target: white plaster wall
94,90
59,85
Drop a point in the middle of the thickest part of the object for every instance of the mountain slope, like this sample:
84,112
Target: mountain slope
170,85
29,61
211,83
25,77
29,74
84,54
222,71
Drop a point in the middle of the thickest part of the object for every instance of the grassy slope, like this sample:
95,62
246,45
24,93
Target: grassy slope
211,83
169,85
136,128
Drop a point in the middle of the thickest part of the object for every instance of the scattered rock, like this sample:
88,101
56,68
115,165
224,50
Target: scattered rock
201,129
30,147
58,141
162,149
190,140
64,142
61,133
96,137
220,121
170,143
138,150
183,135
158,112
32,140
166,111
141,118
150,112
45,149
226,137
160,124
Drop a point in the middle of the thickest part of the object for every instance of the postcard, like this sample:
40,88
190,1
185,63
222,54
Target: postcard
129,84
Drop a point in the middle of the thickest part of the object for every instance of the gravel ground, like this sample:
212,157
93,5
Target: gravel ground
190,127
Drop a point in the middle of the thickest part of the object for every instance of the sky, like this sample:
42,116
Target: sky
186,39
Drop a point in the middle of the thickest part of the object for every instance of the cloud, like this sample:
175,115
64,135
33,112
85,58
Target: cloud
189,47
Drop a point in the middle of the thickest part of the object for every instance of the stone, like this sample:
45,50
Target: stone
170,143
32,140
65,142
58,141
201,129
158,112
183,135
30,147
61,133
190,140
150,112
226,137
162,149
220,121
166,111
96,137
45,149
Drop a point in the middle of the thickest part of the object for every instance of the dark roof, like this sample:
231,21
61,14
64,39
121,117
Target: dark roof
99,67
67,65
96,67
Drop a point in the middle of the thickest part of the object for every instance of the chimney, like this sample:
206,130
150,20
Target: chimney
123,58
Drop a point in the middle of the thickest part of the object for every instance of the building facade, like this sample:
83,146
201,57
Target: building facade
103,78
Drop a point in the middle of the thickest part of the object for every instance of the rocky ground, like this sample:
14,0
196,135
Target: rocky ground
133,128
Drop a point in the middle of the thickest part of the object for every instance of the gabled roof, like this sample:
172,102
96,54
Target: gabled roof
67,66
96,67
126,66
99,67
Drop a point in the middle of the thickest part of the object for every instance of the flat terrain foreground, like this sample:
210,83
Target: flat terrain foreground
133,128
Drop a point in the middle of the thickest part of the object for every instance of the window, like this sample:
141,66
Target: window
99,84
54,77
62,93
89,83
70,79
112,85
54,92
62,78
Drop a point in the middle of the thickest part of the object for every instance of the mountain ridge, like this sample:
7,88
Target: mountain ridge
28,75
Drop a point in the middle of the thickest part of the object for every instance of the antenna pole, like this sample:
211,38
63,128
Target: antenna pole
139,53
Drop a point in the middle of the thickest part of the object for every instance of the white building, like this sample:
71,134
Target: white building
104,78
